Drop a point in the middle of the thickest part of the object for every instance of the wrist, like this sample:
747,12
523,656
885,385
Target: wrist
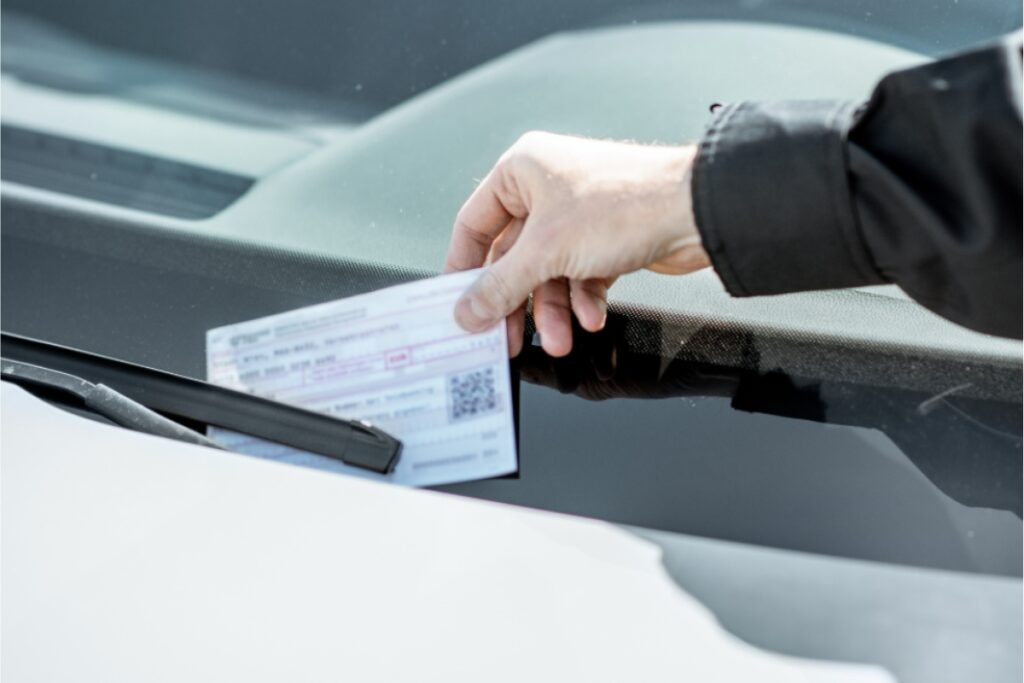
683,252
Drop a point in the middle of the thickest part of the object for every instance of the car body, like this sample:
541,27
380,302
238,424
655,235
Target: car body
835,475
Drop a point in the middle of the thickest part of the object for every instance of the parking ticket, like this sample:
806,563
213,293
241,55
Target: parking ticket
394,358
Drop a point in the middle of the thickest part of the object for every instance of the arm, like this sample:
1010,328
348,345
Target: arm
920,187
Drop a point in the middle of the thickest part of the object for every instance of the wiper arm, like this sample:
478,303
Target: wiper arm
350,441
103,401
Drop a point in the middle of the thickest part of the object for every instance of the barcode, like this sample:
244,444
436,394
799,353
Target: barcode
471,394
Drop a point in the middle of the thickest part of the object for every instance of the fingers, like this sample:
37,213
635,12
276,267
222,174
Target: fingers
506,239
501,289
590,302
516,329
553,317
517,321
479,222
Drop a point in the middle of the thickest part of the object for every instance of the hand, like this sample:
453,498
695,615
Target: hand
562,217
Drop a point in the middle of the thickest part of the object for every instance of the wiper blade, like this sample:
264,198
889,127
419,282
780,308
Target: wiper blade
352,442
103,401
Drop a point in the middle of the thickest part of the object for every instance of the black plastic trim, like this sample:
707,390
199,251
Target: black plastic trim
116,176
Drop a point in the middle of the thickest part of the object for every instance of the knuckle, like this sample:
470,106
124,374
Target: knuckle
505,183
557,300
594,287
530,139
574,264
464,228
495,289
528,148
554,260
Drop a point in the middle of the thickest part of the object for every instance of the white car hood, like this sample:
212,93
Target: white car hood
132,558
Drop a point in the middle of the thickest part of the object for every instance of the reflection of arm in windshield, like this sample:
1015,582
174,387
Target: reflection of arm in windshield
920,187
966,445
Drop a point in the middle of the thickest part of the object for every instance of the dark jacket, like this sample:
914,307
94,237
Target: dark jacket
920,186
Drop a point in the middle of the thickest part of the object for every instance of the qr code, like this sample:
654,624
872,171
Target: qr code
471,394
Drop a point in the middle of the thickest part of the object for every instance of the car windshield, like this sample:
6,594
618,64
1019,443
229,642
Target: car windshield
312,61
169,168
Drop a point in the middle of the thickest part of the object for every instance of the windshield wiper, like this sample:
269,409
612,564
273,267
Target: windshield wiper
101,400
352,442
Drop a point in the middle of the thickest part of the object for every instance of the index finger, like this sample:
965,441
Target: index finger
479,222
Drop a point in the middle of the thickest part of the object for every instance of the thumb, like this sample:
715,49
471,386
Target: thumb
500,290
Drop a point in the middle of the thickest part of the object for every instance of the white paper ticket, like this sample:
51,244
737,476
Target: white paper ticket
395,358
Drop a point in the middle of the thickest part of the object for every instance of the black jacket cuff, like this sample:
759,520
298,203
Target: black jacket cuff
772,199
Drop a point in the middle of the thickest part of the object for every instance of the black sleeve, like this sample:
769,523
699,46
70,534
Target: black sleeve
920,187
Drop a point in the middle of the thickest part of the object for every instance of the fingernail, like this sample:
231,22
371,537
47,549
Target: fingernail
470,315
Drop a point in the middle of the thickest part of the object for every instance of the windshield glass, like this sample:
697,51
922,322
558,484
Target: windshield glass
357,132
170,168
348,61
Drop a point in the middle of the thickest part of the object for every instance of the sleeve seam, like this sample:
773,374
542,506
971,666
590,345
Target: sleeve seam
708,226
843,208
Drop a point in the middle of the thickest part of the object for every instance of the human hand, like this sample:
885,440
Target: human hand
562,217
